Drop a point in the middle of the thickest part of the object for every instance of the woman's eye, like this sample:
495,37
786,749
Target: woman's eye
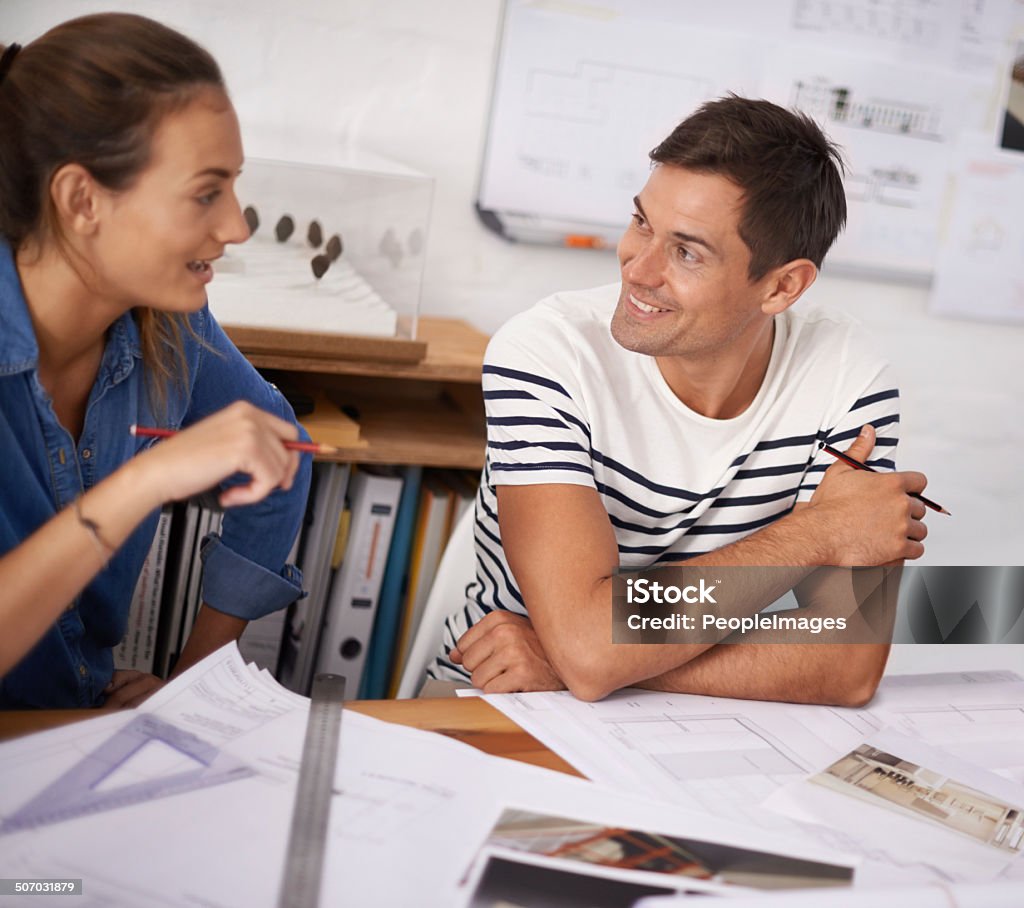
208,199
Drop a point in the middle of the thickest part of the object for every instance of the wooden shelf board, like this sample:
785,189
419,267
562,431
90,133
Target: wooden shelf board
431,433
300,345
454,353
328,425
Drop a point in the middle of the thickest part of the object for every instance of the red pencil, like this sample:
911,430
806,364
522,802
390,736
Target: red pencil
845,458
306,447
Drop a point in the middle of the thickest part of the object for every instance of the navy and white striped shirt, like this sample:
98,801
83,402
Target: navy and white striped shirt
566,404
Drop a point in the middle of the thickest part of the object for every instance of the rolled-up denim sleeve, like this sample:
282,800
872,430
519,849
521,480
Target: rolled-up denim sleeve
244,568
238,586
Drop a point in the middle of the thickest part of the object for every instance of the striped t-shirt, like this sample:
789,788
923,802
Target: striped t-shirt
566,404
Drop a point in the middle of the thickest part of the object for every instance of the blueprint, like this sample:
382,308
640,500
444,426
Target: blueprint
727,757
223,843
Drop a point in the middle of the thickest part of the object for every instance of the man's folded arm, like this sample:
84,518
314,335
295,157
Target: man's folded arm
837,673
561,547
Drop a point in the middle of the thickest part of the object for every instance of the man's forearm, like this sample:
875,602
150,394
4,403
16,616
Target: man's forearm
592,666
854,518
838,674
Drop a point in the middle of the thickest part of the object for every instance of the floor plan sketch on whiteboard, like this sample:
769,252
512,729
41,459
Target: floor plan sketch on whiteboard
897,186
895,83
840,104
592,91
905,23
965,35
894,124
578,115
560,103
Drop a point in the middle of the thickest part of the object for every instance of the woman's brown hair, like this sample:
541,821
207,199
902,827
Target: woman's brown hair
92,91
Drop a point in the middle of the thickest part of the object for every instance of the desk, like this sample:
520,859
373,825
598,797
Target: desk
467,719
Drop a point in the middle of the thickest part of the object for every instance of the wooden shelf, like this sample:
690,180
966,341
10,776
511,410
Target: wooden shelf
431,433
455,353
428,413
254,341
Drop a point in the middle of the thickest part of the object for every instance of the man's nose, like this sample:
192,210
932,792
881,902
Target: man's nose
645,266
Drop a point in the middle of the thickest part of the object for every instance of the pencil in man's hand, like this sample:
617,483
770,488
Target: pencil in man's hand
305,447
859,465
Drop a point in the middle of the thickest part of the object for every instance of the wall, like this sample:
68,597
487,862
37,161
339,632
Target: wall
411,80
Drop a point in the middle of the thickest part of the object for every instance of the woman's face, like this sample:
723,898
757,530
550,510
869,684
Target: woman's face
155,240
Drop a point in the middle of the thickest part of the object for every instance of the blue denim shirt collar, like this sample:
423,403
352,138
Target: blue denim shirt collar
20,351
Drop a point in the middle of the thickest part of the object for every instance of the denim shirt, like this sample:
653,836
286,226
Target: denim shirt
43,470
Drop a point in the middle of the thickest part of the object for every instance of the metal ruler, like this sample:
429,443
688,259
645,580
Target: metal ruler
304,861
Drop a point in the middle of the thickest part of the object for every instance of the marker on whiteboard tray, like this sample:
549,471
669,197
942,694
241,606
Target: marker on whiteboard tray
584,241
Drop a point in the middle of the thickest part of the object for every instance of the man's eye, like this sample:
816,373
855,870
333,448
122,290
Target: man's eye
685,254
638,219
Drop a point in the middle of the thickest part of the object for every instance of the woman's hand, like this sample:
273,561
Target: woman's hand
240,438
128,688
45,572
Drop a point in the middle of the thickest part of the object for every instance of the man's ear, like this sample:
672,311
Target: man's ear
786,284
76,199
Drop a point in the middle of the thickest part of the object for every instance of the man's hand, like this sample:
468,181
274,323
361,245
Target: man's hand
870,518
504,655
128,688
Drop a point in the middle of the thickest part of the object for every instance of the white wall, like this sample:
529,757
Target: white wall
411,80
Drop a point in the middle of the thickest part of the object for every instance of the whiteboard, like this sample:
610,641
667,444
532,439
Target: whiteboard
584,90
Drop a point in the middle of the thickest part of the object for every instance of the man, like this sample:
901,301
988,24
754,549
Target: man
677,418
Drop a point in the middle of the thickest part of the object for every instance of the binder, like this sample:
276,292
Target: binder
172,612
355,592
305,616
137,649
384,638
210,520
437,503
465,487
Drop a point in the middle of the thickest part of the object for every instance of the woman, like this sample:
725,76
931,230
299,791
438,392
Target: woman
118,159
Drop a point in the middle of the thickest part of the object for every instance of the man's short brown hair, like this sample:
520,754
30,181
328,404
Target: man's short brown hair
790,174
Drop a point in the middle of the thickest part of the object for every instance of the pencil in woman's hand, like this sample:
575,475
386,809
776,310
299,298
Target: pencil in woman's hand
859,465
305,447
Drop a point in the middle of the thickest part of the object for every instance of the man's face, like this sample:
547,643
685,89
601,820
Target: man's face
685,290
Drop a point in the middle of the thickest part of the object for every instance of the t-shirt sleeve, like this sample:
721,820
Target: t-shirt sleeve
537,426
877,402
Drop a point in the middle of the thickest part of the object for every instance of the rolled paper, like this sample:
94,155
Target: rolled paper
334,247
251,218
315,234
320,264
285,228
